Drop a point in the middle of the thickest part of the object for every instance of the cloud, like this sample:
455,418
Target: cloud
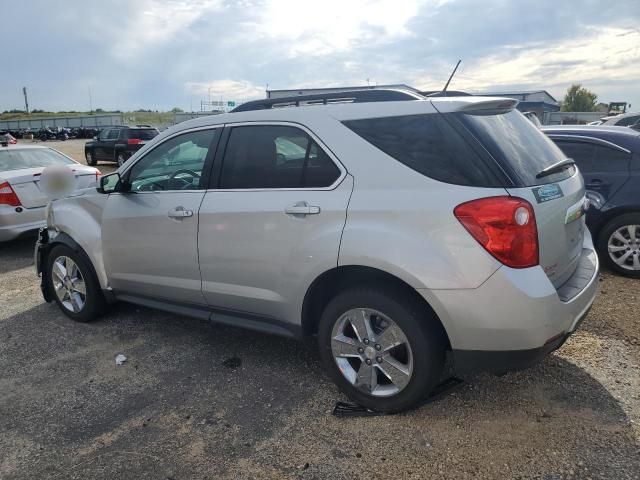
228,89
329,26
599,57
160,54
152,24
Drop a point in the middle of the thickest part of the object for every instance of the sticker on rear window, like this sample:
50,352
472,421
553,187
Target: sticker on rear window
547,192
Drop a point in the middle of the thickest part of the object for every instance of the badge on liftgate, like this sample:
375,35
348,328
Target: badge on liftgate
547,192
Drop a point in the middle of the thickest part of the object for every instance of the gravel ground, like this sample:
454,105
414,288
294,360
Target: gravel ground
202,401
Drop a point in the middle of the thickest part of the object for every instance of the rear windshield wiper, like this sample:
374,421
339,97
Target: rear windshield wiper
556,167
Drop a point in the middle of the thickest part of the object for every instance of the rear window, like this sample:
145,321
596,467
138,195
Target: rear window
520,148
142,134
16,159
429,145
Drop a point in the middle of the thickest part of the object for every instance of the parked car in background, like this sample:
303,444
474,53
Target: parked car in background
533,118
609,159
117,144
7,139
22,201
387,230
622,120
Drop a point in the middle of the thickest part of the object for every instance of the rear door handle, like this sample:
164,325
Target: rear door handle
180,212
302,208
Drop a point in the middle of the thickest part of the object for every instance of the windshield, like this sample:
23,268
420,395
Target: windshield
520,148
16,159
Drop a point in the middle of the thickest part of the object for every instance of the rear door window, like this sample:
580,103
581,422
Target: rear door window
274,156
610,160
429,145
582,152
520,148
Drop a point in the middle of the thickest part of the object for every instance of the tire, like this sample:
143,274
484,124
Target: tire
91,158
120,159
420,327
611,236
92,303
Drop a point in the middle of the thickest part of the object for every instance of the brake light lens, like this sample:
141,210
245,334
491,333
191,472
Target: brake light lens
134,141
505,227
8,196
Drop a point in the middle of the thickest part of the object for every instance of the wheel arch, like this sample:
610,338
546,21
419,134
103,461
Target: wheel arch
65,239
612,214
330,282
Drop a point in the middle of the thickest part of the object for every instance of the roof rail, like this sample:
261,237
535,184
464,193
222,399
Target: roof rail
448,93
349,96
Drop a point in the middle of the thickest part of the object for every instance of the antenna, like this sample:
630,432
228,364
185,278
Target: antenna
444,90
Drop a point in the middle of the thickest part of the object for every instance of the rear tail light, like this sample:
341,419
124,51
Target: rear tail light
8,196
134,141
504,226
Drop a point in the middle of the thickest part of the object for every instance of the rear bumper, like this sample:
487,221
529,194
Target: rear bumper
516,317
13,224
468,361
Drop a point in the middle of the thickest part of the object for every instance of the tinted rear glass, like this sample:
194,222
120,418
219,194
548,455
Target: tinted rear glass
520,148
429,145
15,159
142,134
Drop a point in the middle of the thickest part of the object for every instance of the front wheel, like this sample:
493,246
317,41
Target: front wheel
619,245
382,349
73,284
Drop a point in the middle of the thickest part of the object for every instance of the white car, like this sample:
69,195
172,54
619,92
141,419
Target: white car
22,201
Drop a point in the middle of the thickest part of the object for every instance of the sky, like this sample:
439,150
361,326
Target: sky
153,54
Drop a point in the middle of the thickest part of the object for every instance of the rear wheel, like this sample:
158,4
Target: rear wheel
73,284
381,348
619,245
90,157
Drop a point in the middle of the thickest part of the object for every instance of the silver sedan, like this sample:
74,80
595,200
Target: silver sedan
22,201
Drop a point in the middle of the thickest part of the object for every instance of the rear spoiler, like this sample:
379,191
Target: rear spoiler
490,106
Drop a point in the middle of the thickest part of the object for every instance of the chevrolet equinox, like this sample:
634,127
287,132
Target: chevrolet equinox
398,233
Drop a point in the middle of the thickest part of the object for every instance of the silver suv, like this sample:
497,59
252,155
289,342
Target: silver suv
396,232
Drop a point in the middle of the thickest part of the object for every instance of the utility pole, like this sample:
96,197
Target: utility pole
90,100
26,100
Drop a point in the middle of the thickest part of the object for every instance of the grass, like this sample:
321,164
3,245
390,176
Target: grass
128,117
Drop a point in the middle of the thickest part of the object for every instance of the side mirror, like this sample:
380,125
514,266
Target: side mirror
111,183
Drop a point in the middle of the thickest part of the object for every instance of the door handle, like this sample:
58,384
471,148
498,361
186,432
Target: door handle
180,212
302,208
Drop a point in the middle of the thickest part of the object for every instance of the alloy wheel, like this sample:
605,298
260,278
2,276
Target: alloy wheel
69,284
372,352
624,247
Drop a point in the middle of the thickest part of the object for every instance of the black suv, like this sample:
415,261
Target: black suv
609,159
117,144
